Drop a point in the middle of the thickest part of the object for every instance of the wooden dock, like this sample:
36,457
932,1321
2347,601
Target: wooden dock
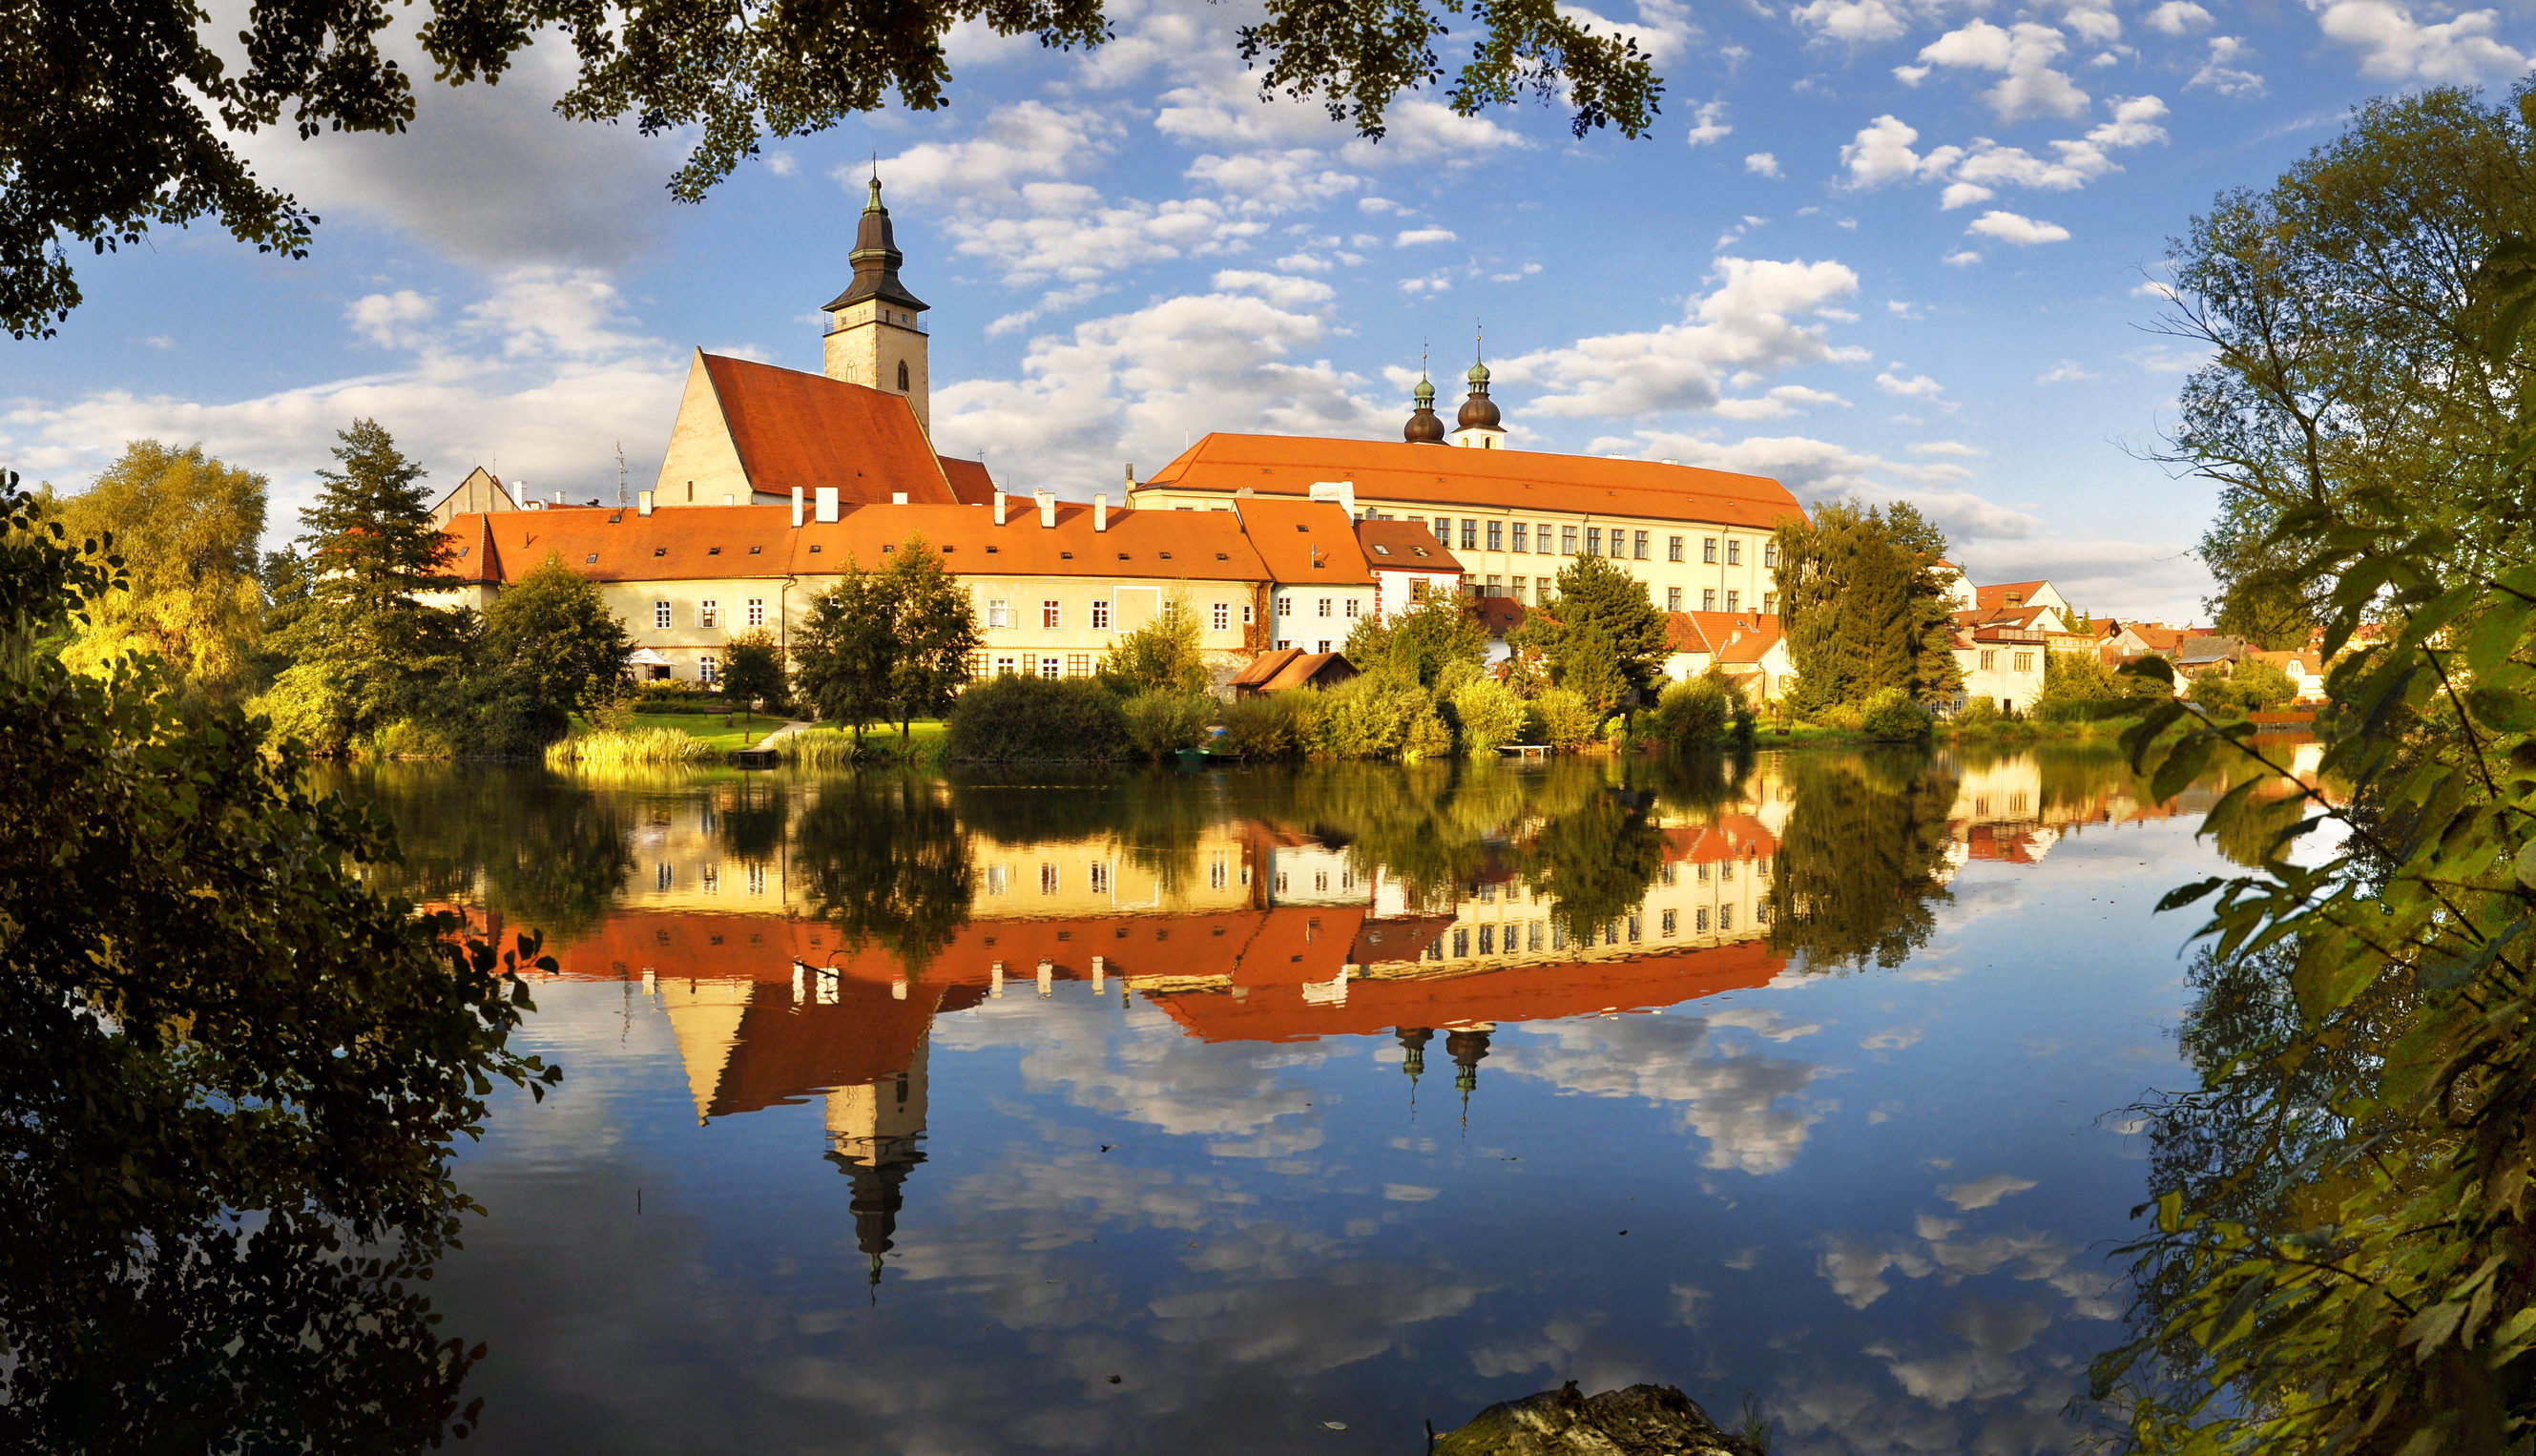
1528,752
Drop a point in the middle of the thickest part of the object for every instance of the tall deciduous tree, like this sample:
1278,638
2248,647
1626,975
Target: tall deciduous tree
553,649
1419,643
752,669
937,632
1863,599
1160,657
847,648
1602,636
185,526
232,1074
365,648
121,113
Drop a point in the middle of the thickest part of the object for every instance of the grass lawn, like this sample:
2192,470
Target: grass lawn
744,731
829,743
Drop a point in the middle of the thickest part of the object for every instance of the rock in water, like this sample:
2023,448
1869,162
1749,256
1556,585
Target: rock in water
1641,1420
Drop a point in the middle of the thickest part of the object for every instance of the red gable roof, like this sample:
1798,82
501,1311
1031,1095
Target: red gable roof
1512,479
1728,636
1306,543
792,428
1404,546
1991,599
971,486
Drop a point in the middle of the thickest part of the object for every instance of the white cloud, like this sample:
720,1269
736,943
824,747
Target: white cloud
2222,74
1437,284
1852,21
781,163
1962,195
1956,448
2152,289
1286,292
1067,231
1761,164
1378,206
2394,46
1273,181
2023,54
2068,371
1304,263
1882,152
1963,258
1752,319
1708,123
1785,399
1820,470
1013,146
1429,132
1913,386
2093,23
1419,236
2134,123
386,319
2178,18
1663,29
2014,228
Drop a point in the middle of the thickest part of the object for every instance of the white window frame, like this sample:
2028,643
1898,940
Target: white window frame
1100,616
756,612
709,614
661,615
1000,613
1224,616
1052,614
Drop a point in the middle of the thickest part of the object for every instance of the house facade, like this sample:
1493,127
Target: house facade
1749,647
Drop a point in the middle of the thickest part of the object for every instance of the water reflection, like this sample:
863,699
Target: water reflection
1346,1078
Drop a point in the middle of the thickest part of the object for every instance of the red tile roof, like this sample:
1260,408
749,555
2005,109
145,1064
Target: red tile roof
1404,546
713,542
792,428
1728,636
1498,615
1512,479
971,486
1304,542
1991,599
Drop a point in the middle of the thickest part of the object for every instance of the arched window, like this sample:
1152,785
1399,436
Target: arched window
901,376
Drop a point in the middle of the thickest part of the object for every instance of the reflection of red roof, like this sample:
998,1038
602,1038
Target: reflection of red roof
1503,993
792,428
1730,836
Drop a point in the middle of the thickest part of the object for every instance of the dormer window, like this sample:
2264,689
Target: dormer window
659,550
814,548
1065,555
1167,555
754,550
713,550
1381,550
590,561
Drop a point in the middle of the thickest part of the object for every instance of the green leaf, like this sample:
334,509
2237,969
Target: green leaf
2154,668
2497,635
2524,865
2184,895
2500,708
2182,767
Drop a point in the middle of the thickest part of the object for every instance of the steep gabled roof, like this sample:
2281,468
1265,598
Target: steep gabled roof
1735,636
1993,598
1306,543
969,483
1511,479
792,428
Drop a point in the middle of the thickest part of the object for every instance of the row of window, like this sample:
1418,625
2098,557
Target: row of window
1052,614
1052,880
1524,936
1048,665
1990,661
1708,599
708,880
1631,544
709,614
1322,607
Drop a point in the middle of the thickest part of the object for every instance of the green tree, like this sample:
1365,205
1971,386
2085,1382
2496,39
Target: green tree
232,1073
1602,636
702,68
1864,604
365,650
752,669
846,650
185,526
2339,313
937,633
1420,645
552,648
1160,657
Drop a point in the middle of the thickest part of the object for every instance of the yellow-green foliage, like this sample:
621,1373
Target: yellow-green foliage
1271,726
1566,719
612,748
1161,723
407,739
1491,715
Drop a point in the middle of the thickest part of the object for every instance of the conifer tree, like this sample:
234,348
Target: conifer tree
1863,600
1602,636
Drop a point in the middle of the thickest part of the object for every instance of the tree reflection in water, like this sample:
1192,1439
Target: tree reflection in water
1861,858
883,858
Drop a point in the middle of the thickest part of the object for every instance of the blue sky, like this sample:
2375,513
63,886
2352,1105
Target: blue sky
1881,248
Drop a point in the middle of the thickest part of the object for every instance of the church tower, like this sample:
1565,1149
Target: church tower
875,327
1479,426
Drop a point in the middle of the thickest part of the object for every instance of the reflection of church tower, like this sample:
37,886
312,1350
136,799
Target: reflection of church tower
1467,1046
876,327
1413,1055
876,1138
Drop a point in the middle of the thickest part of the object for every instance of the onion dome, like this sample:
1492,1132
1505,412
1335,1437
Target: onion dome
1478,412
1423,427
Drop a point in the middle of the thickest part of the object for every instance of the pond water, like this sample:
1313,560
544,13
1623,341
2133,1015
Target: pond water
1218,1112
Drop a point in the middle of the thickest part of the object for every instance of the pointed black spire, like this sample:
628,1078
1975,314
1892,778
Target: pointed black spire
876,259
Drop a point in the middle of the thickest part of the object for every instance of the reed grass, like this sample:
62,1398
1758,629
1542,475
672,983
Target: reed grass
618,748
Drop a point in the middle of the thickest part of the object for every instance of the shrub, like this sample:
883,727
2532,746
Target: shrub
1566,719
1264,728
1161,725
1741,733
1891,715
1016,716
1492,715
408,738
1373,716
1427,736
1842,716
1697,712
1978,712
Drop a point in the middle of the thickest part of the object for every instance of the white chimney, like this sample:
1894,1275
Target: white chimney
999,505
1047,508
898,497
1343,492
797,499
827,503
1101,512
559,497
642,502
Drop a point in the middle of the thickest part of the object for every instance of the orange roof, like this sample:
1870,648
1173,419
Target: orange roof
710,542
971,486
1304,542
1511,479
1991,599
1498,615
1403,545
1728,636
792,428
1265,666
1731,837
